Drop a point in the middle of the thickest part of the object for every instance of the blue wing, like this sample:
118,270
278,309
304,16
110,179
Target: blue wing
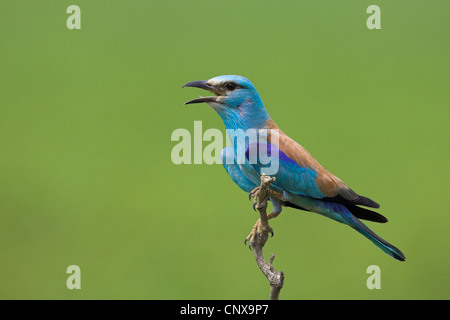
289,175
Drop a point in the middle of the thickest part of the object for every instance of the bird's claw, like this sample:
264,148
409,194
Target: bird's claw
249,243
256,232
255,195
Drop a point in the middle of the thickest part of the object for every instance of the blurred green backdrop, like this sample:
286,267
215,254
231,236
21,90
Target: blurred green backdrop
86,118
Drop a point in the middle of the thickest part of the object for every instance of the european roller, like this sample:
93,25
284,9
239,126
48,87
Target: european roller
300,181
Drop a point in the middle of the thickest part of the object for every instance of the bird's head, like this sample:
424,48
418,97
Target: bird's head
235,99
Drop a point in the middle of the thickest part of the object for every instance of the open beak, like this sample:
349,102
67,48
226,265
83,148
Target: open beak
202,84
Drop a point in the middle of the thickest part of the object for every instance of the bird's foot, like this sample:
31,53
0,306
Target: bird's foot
257,230
256,194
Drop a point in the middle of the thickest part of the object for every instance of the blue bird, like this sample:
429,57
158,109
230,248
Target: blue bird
301,182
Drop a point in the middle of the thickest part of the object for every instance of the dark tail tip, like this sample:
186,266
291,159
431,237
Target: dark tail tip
397,254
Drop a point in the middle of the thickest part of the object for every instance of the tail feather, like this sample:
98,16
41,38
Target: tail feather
341,213
366,214
372,236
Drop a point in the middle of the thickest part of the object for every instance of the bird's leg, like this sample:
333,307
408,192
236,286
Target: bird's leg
256,195
260,227
261,195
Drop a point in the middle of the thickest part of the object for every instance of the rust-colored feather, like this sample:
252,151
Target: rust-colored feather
330,185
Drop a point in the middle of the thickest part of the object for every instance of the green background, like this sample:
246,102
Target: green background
86,118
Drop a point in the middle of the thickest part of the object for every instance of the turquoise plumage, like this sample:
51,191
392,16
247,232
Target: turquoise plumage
301,182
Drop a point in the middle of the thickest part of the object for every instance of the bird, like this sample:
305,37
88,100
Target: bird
300,181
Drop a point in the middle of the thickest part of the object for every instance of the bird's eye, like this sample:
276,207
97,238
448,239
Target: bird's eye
231,86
